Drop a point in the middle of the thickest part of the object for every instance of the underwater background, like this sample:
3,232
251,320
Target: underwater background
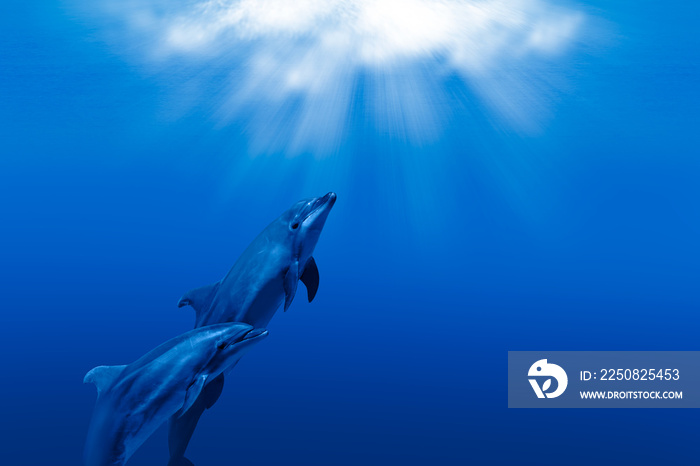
443,252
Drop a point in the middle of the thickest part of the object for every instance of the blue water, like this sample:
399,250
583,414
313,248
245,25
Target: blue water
581,236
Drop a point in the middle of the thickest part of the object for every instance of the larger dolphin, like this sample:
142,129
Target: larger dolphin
264,276
134,400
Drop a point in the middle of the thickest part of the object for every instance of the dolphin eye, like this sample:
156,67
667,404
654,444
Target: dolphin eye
295,226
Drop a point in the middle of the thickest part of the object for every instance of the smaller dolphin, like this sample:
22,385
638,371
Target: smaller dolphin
134,400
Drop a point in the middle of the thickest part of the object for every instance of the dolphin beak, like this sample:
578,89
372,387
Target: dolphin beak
324,202
320,208
330,198
244,336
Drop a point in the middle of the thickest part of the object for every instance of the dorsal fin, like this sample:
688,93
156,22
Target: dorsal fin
199,298
103,376
310,278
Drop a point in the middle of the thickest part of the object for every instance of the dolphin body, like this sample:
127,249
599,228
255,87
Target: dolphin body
134,400
264,276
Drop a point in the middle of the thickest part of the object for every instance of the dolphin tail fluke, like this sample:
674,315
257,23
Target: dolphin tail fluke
182,461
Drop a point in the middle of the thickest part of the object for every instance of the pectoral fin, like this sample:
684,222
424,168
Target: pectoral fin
310,278
192,394
291,280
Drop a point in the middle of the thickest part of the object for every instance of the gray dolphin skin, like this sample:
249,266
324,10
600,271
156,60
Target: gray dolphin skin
263,278
134,400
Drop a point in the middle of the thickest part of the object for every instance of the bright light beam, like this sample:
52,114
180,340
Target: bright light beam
289,71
